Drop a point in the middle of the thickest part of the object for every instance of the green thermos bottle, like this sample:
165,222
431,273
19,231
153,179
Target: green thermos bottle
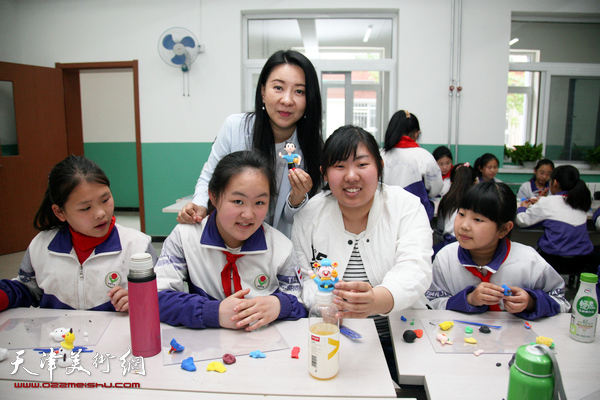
534,375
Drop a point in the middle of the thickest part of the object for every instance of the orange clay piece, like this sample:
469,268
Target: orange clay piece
419,332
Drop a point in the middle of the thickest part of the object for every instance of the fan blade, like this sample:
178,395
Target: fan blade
178,60
188,42
168,42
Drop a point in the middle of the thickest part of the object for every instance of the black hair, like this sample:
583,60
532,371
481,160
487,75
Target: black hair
543,162
483,161
494,200
442,152
462,177
63,179
578,196
308,126
235,163
401,124
343,142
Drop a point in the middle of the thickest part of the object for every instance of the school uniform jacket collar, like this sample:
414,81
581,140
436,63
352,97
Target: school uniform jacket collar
63,242
211,238
464,256
534,187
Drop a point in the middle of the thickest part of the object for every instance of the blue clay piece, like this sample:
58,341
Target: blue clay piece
403,318
507,291
257,354
188,364
175,347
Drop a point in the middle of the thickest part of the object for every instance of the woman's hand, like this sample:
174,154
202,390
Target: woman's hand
301,184
485,294
256,312
360,299
191,213
519,301
119,298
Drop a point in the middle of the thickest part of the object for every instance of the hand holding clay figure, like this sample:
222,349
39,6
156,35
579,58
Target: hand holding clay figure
119,298
519,301
301,183
485,294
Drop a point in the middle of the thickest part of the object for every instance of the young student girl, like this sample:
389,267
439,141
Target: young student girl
565,242
443,157
379,235
406,164
463,176
539,185
287,108
468,275
486,167
80,259
241,272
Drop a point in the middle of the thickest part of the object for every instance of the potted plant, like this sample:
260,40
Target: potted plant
527,154
592,156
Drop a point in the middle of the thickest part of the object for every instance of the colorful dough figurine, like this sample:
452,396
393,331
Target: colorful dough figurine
58,334
67,344
326,276
292,158
443,339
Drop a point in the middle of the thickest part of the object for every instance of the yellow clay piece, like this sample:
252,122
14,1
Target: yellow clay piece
216,366
544,340
470,340
446,325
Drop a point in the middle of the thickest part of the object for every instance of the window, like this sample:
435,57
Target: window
554,84
354,56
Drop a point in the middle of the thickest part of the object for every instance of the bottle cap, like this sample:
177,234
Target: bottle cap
533,361
141,265
589,278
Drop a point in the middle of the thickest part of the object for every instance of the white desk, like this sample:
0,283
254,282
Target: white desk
363,370
178,205
465,376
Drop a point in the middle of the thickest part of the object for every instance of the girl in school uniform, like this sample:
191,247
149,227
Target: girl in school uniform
443,157
408,165
468,275
463,176
241,272
80,259
486,167
287,108
539,185
564,218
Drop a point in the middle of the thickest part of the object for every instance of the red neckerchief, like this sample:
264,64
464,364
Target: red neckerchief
230,271
406,142
447,175
477,273
84,245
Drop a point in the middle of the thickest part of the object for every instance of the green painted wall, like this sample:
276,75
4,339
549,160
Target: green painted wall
118,162
170,172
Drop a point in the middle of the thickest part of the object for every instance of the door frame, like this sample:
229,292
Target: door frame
74,121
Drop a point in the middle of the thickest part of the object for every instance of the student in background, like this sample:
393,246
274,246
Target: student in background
241,272
378,234
468,275
80,259
443,157
463,176
564,218
287,108
486,167
406,164
539,185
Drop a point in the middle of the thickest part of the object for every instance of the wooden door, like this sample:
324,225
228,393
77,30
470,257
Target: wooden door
41,143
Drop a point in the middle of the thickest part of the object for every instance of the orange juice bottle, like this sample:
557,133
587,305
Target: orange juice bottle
324,337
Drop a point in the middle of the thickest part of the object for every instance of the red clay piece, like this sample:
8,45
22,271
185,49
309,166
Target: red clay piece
295,352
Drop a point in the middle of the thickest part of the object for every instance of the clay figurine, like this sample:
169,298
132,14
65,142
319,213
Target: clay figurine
443,339
67,344
175,347
326,276
58,334
292,158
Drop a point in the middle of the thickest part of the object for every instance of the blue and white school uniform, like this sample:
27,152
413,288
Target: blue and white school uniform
529,189
196,254
51,276
455,275
565,229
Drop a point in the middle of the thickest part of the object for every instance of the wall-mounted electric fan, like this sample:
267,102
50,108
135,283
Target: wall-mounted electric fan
178,47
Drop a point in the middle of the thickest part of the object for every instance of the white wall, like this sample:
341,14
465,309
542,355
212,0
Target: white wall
45,32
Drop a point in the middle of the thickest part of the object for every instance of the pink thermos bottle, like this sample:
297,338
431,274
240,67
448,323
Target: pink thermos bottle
144,320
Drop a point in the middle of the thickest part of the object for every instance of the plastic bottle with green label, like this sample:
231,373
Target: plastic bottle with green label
584,311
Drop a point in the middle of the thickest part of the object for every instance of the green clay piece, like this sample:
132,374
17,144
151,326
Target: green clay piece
468,329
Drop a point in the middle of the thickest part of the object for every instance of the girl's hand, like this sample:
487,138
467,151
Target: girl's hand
226,307
256,312
519,301
534,200
360,299
544,192
191,213
301,184
485,294
525,204
119,298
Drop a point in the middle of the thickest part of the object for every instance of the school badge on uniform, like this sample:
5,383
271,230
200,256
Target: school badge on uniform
261,282
112,279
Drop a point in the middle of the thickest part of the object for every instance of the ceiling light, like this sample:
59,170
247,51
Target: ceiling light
515,40
368,33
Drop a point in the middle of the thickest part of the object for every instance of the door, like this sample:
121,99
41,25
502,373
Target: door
41,142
